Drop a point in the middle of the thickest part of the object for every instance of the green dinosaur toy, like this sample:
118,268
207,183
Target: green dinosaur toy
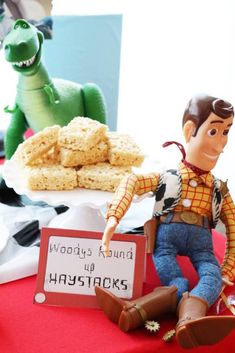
40,100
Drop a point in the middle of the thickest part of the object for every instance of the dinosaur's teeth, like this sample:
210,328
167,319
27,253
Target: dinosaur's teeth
27,63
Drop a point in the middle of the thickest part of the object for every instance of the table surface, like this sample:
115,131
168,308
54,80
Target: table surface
31,328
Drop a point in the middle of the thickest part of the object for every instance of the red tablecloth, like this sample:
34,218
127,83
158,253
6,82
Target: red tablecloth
30,328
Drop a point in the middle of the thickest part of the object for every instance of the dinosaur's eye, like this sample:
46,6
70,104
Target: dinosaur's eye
25,25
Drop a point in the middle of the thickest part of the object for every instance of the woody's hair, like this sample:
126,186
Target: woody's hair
201,106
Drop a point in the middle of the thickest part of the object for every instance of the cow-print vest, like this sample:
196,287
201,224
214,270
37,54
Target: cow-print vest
169,190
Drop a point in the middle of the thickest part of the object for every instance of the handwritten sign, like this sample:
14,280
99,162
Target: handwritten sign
72,263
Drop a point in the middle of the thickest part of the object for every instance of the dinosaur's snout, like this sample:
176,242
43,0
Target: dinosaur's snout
13,51
21,50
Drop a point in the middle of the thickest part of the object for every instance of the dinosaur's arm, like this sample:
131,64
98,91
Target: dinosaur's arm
94,103
15,132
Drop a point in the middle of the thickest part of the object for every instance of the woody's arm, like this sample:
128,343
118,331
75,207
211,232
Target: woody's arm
131,185
228,218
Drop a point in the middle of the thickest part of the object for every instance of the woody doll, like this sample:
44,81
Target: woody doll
189,202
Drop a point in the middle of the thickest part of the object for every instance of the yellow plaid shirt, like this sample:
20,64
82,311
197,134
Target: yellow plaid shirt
197,193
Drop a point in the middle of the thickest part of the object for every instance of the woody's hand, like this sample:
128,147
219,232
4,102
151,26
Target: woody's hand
108,233
226,281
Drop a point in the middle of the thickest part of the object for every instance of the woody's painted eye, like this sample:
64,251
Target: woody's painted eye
212,132
225,132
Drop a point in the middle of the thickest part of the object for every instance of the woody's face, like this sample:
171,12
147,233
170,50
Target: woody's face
204,149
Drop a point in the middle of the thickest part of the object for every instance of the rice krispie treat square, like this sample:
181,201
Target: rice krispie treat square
101,176
51,177
49,158
123,150
71,158
82,134
37,145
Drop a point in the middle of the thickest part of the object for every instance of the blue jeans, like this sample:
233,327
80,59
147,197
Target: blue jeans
196,243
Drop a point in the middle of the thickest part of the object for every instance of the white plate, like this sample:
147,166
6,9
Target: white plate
14,177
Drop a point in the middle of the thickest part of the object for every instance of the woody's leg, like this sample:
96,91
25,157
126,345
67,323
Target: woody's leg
207,267
165,258
194,327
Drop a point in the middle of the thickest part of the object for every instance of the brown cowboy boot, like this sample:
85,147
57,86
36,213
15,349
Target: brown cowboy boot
132,314
195,329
